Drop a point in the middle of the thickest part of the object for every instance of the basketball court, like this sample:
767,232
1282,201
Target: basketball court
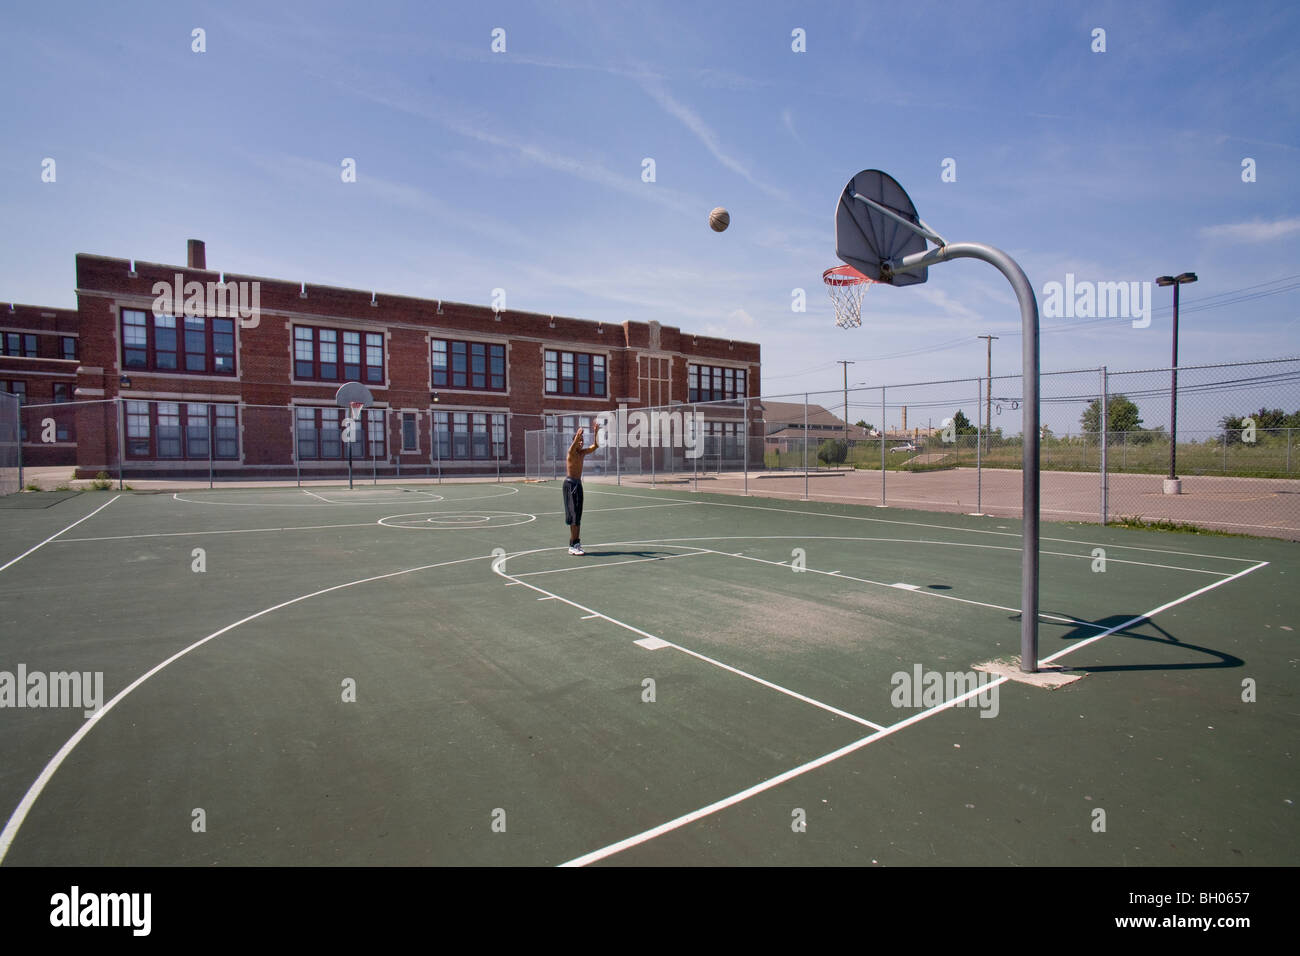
423,676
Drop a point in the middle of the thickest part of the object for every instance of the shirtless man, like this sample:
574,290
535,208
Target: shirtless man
573,489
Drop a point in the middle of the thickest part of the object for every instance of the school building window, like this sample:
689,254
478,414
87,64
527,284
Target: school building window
410,439
574,373
320,434
186,344
19,343
182,431
334,355
67,347
470,365
708,383
469,436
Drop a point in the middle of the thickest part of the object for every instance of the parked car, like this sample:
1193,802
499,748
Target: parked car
907,447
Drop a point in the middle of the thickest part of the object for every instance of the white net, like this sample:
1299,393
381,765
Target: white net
846,287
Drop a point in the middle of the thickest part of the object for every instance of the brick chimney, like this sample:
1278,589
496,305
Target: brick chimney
196,256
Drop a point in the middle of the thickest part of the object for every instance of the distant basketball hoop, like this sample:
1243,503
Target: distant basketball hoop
846,286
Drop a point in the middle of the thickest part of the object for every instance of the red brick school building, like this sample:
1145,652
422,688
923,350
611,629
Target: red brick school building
175,370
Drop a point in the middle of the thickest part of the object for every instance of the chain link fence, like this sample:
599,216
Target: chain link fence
1106,452
11,449
1108,446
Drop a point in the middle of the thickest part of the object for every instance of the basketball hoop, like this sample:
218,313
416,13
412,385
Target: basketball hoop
355,408
846,286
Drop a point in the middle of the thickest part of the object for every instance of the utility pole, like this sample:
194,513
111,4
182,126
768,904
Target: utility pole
846,398
988,394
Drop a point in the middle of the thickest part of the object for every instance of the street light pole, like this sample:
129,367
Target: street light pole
1174,281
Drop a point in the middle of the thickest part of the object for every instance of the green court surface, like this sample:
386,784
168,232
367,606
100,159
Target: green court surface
720,680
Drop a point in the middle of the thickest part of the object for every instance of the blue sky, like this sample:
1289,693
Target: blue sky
523,170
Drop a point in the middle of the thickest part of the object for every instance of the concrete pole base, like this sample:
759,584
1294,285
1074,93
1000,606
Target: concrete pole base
1173,486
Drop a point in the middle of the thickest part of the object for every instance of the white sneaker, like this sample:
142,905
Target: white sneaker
576,548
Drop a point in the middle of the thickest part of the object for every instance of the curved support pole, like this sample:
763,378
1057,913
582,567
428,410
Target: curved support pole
1030,425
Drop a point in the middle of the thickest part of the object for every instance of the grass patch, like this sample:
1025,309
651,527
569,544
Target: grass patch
1164,524
102,482
32,486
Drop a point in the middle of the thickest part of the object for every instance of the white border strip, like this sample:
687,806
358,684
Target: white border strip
57,533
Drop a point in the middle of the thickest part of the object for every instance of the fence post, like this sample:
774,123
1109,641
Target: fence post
618,461
17,437
745,439
121,440
437,446
1288,451
212,413
695,459
1225,451
1105,439
805,446
979,430
882,446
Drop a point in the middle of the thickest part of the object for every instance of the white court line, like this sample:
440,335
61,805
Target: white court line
186,534
608,564
396,492
944,527
34,791
498,568
675,504
57,533
839,575
646,835
869,500
681,821
914,590
314,495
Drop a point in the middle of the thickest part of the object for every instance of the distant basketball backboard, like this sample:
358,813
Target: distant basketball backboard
353,392
871,238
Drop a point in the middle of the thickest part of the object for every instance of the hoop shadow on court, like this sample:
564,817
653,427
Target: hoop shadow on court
1081,632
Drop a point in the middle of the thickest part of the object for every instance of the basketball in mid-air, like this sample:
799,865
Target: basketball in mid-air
719,219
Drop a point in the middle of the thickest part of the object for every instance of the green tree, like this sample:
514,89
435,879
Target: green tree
1265,419
862,423
833,451
962,424
1121,416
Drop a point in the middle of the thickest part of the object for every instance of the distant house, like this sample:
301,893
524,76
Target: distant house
786,428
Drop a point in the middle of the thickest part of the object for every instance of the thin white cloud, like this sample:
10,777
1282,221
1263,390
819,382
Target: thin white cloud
787,119
706,135
1255,231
